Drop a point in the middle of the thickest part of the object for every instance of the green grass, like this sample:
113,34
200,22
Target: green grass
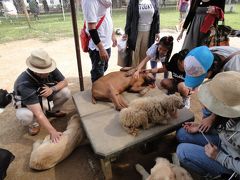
52,27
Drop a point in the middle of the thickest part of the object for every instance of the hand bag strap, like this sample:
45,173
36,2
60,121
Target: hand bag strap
98,24
231,56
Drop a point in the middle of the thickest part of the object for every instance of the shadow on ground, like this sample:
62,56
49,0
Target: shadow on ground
82,163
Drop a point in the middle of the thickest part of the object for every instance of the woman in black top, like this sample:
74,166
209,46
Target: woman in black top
138,39
199,9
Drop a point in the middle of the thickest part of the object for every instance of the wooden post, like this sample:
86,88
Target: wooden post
77,46
106,168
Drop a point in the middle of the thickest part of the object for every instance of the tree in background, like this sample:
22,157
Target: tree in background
45,6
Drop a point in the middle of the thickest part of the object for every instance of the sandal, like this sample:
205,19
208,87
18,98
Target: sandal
55,114
33,129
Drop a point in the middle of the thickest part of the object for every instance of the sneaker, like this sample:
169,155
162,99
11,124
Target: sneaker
186,101
33,129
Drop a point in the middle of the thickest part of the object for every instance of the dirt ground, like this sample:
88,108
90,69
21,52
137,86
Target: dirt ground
82,163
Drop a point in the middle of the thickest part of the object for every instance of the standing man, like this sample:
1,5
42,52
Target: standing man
41,81
98,11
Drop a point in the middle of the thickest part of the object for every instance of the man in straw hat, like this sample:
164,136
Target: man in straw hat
218,152
41,81
203,62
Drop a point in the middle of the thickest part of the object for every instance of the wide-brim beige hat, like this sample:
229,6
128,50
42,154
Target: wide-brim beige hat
40,62
221,95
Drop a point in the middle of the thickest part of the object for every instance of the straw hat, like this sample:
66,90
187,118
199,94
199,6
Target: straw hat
221,95
40,62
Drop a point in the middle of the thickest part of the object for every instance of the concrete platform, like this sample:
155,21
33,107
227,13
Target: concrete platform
107,137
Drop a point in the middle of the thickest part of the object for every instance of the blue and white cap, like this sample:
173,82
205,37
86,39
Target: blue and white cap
196,64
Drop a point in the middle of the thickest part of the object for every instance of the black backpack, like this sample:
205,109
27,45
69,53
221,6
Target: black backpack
5,98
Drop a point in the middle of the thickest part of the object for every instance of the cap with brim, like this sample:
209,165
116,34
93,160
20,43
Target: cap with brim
39,69
196,65
226,103
193,82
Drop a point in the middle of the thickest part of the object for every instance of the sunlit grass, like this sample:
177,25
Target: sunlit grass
52,27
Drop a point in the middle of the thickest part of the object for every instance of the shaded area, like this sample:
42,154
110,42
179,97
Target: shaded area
82,163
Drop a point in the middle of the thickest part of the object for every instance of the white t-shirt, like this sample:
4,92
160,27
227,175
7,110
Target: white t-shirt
146,11
152,51
234,63
93,10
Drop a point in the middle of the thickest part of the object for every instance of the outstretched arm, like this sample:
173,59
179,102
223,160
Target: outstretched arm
158,70
140,66
43,121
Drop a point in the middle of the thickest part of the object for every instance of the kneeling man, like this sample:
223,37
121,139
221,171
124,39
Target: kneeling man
42,81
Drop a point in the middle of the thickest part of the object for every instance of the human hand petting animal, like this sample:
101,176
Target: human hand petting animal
55,136
136,74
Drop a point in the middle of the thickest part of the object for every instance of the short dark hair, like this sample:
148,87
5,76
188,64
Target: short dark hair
180,55
167,42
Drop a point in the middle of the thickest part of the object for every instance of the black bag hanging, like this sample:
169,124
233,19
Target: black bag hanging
5,98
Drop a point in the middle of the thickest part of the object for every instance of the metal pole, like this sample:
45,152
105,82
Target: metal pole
77,47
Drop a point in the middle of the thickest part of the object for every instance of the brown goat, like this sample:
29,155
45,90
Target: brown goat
110,86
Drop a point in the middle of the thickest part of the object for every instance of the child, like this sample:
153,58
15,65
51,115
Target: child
176,83
182,6
159,52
